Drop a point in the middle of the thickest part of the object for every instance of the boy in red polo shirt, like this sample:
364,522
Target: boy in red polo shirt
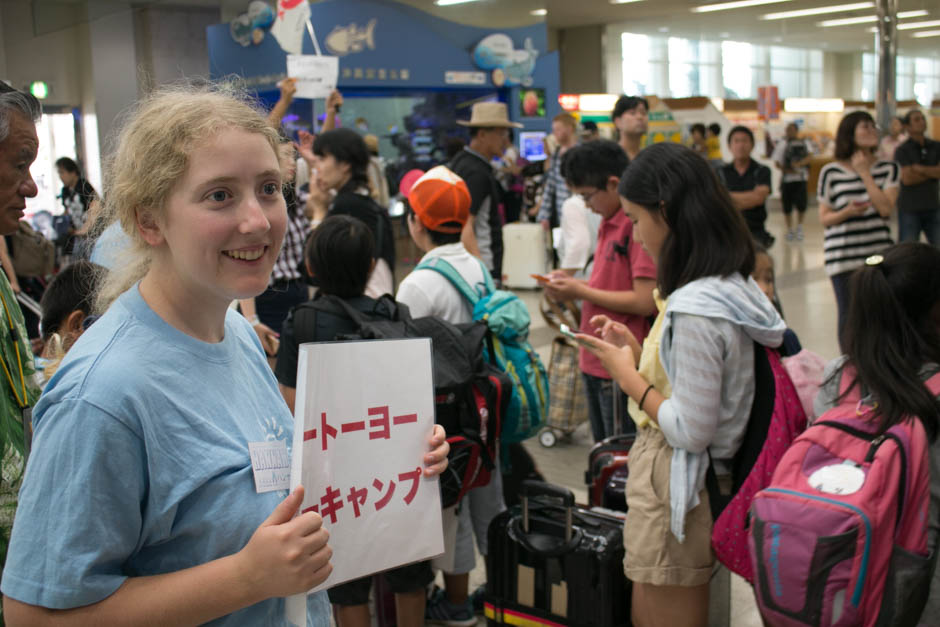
622,280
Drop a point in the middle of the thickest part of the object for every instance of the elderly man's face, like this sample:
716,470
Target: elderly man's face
17,153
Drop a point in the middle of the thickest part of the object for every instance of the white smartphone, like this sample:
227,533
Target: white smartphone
567,332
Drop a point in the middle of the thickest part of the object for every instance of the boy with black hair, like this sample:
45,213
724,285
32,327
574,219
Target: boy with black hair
340,255
622,279
439,208
713,143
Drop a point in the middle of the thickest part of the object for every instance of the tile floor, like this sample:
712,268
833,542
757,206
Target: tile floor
809,305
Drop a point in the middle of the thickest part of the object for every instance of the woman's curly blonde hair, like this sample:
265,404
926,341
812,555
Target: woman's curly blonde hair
152,154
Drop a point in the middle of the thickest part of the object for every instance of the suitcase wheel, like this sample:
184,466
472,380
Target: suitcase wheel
547,438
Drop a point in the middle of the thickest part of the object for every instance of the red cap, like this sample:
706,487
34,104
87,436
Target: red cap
404,186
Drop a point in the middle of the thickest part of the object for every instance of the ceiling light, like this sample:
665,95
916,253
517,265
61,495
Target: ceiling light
624,1
926,33
785,15
866,19
539,12
913,25
813,105
738,4
447,3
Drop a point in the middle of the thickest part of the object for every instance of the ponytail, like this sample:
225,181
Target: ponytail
890,333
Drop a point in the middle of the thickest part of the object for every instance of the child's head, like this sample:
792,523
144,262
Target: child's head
684,217
340,256
67,306
153,155
438,208
697,131
714,129
593,170
764,272
892,329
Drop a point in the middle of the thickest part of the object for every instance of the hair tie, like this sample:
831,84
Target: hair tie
874,260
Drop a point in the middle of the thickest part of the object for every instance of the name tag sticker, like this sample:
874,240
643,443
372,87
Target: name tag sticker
270,464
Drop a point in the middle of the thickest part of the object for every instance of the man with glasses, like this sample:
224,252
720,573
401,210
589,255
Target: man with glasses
622,279
919,198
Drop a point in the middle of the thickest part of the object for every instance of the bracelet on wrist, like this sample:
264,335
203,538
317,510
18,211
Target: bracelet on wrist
643,398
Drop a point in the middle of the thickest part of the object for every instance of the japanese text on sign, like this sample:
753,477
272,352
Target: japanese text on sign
362,428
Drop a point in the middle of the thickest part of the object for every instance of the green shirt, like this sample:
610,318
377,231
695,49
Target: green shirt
11,415
12,443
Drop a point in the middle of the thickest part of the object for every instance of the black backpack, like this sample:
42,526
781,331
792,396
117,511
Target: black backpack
470,395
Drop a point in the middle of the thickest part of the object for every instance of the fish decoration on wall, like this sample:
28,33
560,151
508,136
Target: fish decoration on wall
350,39
248,28
509,65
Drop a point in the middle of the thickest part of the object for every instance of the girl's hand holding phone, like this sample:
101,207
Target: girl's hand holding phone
612,331
620,362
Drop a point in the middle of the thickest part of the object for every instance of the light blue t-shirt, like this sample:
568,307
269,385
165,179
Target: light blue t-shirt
140,462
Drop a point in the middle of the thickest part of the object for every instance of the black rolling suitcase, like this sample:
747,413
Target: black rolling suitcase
606,475
553,563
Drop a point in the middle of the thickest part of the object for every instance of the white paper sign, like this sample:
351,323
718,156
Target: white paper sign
316,75
363,416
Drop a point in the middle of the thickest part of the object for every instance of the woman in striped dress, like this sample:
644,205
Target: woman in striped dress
857,195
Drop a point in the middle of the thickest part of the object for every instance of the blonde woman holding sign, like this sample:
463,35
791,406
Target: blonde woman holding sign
141,503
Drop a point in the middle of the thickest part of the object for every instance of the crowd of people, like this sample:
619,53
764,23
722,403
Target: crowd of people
137,441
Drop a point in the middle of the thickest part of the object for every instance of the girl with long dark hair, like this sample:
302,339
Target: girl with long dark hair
892,341
692,388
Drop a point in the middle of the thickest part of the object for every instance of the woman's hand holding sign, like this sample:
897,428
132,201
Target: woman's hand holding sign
286,555
435,462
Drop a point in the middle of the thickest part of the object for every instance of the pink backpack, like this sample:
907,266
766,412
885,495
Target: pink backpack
840,536
769,441
806,370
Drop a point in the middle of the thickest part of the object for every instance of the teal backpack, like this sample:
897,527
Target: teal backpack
507,346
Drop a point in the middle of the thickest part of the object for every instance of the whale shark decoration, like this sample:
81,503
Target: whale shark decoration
349,39
248,28
497,52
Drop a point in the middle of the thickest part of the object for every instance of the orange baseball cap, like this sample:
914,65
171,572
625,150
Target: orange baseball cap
441,200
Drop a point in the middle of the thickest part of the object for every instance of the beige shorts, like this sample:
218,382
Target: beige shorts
653,554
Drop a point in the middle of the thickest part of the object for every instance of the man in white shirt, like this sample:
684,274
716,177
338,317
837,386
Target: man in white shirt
791,155
439,207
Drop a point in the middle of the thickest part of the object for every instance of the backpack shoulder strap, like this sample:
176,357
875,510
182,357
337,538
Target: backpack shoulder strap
448,271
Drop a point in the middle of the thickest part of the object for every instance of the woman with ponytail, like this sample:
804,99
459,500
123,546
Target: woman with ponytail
892,341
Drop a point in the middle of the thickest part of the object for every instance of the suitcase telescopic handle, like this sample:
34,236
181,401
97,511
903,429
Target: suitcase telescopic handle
531,488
